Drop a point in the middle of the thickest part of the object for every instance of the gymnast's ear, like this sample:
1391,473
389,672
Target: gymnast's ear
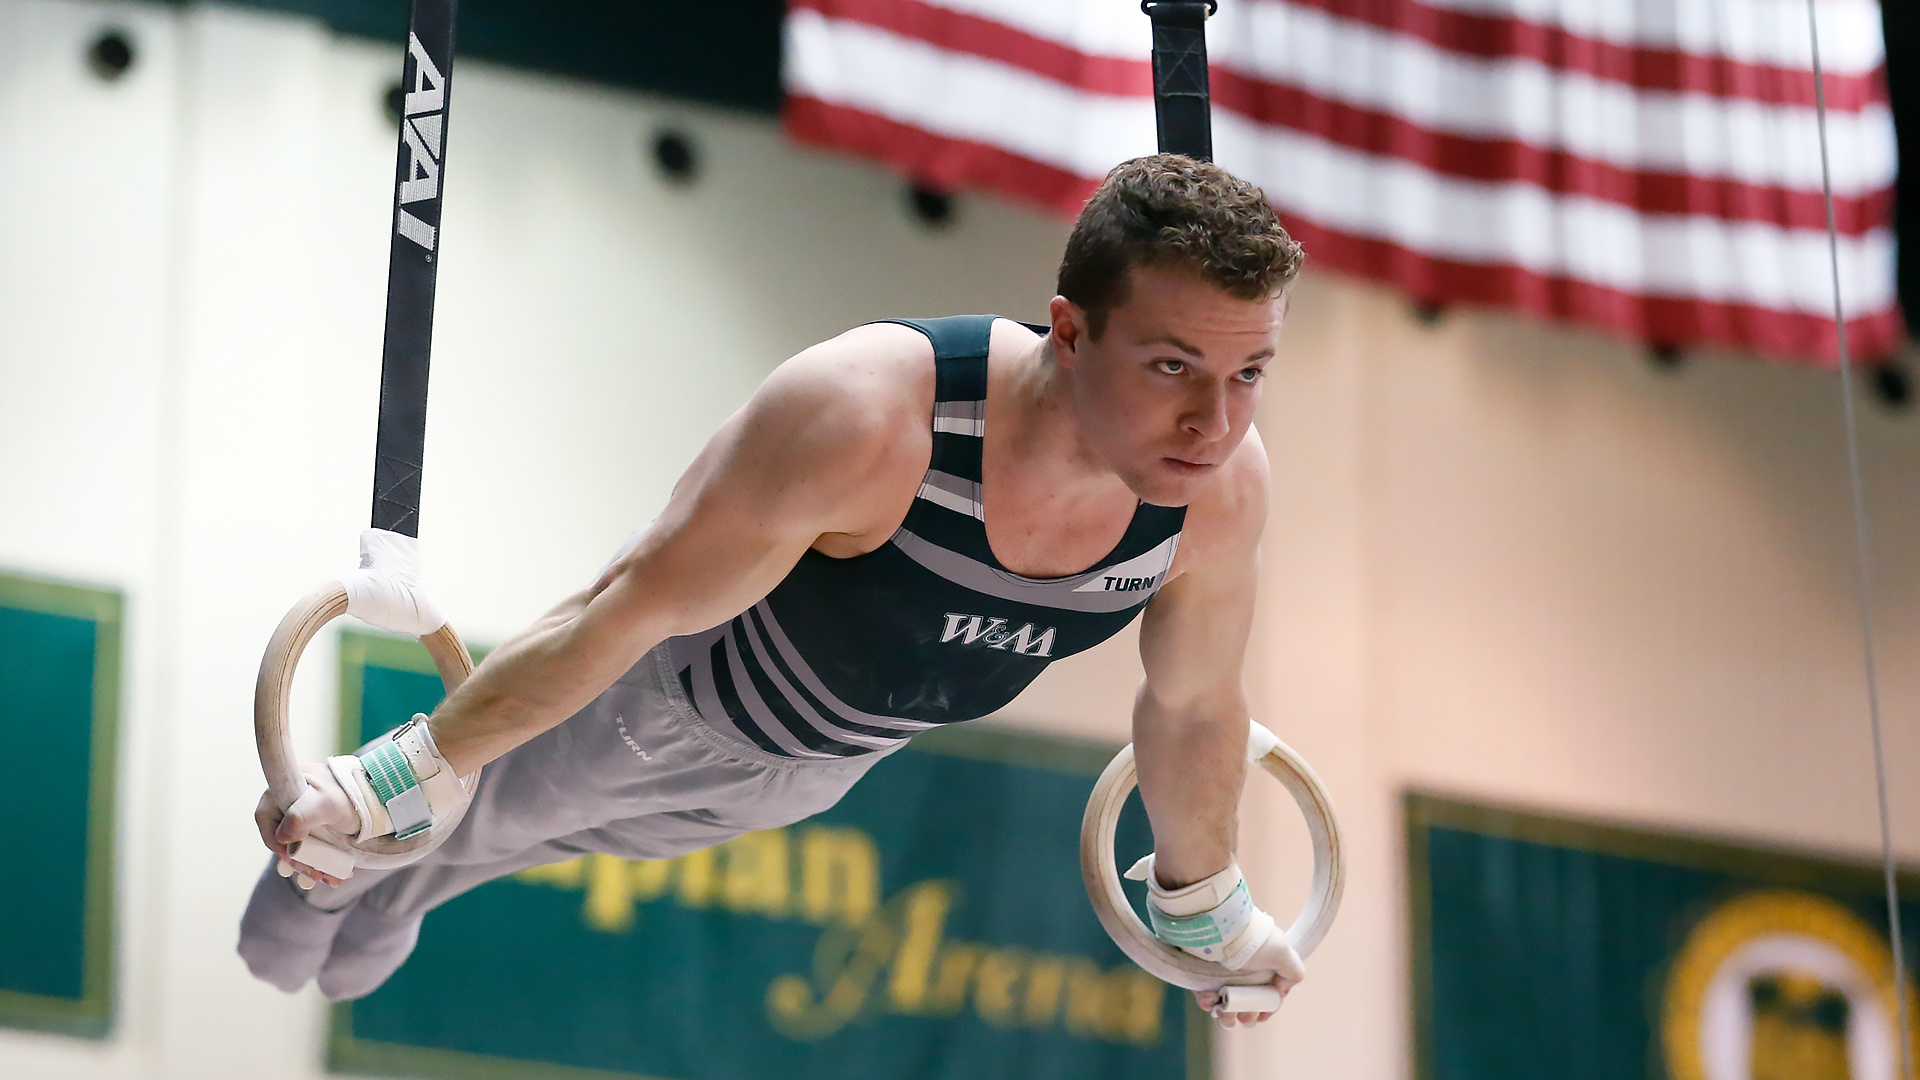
1070,331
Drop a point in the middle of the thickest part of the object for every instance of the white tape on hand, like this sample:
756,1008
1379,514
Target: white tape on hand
386,590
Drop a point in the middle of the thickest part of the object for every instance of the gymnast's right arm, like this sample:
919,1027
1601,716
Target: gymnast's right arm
798,462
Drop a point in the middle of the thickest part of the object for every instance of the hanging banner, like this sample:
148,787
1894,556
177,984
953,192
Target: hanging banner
59,711
932,925
1545,947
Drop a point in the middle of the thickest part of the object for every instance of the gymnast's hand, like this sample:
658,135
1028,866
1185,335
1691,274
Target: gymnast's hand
1275,954
323,803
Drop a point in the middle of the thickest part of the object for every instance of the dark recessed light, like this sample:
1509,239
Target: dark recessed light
1662,356
675,156
111,54
930,206
391,102
1892,386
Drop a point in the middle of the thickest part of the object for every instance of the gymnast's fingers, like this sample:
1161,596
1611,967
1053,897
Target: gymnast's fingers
266,817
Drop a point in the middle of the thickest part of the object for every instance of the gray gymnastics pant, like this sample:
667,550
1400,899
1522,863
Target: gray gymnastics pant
636,774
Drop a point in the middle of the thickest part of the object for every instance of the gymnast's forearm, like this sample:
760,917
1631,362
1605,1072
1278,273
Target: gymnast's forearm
1191,759
541,676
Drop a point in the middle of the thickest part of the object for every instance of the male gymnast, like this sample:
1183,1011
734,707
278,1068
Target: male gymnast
900,529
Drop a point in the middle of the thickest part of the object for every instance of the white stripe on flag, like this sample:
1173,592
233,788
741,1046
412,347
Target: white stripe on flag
1518,224
1771,32
1520,99
1748,31
1113,28
964,97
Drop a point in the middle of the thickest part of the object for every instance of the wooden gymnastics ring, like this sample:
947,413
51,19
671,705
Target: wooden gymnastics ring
274,738
1240,990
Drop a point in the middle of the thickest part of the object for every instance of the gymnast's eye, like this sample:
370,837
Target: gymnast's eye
1251,375
1170,367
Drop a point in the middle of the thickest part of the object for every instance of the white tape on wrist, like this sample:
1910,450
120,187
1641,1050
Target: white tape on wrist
386,591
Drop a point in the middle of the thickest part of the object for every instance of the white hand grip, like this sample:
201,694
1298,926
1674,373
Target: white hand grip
1248,999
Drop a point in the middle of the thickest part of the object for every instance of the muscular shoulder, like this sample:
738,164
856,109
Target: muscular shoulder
841,427
859,391
1225,522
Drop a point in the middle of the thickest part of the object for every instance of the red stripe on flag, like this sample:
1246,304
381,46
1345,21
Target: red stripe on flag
1501,37
957,31
953,164
1505,160
1675,321
1479,37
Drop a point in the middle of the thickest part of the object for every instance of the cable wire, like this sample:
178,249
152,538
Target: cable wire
1863,570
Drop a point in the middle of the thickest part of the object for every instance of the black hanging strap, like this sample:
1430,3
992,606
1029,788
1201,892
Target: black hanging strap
401,444
1180,94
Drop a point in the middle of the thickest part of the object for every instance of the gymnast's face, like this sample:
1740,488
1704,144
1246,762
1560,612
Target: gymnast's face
1167,391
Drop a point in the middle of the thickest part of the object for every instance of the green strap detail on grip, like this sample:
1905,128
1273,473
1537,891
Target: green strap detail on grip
1206,929
387,768
393,781
1186,932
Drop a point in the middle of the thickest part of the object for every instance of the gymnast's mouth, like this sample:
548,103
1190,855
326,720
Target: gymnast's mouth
1189,468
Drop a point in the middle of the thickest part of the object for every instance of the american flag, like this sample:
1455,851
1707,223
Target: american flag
1647,167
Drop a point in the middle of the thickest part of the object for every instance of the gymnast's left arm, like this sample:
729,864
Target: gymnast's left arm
1190,717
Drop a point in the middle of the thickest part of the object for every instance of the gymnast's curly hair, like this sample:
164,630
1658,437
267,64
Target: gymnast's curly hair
1171,210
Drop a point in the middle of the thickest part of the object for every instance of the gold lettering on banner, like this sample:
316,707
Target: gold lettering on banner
871,957
952,976
609,905
1086,1011
563,875
924,919
754,878
696,878
847,963
1045,978
839,875
824,875
649,879
994,984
